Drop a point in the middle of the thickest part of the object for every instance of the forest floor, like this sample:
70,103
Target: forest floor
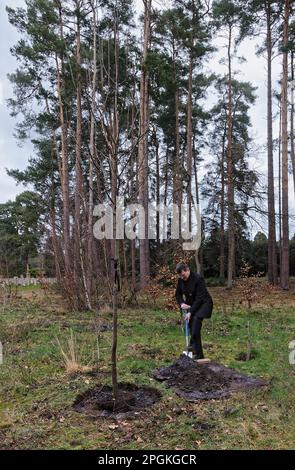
37,393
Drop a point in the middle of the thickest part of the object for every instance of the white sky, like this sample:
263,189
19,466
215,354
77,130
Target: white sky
254,71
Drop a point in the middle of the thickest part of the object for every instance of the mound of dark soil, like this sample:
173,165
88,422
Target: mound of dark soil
204,381
131,401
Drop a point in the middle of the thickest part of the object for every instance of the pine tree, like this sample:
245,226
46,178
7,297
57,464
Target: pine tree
227,16
247,192
262,18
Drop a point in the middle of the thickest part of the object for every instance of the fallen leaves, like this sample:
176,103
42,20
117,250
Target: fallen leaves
124,423
113,426
261,406
198,443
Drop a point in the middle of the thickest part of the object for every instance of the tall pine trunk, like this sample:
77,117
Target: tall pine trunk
133,184
280,183
55,243
158,194
143,147
177,171
92,159
272,255
114,195
198,252
78,165
64,152
285,183
292,136
230,174
177,190
189,140
222,211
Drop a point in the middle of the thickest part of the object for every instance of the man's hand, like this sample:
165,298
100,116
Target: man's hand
188,316
185,306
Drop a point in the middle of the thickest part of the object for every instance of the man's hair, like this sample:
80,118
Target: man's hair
181,267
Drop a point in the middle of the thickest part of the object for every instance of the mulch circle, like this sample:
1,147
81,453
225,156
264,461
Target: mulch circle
244,356
204,381
132,400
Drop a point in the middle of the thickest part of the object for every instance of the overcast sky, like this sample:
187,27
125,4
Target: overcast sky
12,156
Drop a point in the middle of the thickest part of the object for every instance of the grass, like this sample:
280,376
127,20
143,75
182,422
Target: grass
37,390
71,356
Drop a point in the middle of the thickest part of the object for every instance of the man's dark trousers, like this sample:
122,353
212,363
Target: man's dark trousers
195,326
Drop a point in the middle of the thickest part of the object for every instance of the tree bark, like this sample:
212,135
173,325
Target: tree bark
178,184
93,157
230,175
143,147
114,195
158,194
64,152
222,212
272,255
198,257
292,136
285,183
280,184
189,140
56,250
133,184
115,331
78,256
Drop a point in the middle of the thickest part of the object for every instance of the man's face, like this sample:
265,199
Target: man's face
184,275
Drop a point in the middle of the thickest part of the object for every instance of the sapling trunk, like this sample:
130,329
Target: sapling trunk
249,345
115,325
114,345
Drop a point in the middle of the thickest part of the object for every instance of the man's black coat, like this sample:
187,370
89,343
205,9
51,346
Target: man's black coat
194,293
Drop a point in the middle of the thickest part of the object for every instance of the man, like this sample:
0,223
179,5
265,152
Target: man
192,295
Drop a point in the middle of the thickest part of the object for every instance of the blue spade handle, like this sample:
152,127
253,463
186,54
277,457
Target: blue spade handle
186,334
